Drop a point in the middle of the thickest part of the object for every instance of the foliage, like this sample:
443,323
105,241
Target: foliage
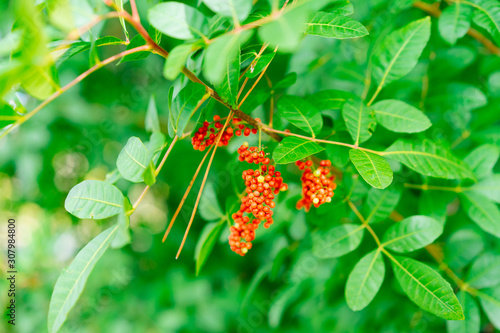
397,99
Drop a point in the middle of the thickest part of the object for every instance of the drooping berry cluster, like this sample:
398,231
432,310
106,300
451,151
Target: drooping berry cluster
252,155
317,185
208,132
262,185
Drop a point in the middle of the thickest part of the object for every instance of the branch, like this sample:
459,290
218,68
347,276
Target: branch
72,83
434,10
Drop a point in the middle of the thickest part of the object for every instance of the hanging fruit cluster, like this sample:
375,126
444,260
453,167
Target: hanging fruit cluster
262,185
207,133
317,185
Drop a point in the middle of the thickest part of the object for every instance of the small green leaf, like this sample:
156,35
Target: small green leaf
185,106
490,301
472,321
454,22
152,122
337,241
489,187
485,271
428,159
206,242
427,288
7,115
239,9
334,26
373,168
119,3
292,149
359,119
400,117
177,20
122,236
301,113
176,60
71,282
221,56
209,205
94,199
482,212
137,41
482,160
286,31
381,203
228,87
412,233
262,62
487,16
149,174
133,160
365,280
399,52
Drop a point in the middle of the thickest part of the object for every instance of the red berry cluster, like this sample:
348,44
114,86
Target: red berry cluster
252,155
317,186
207,134
261,187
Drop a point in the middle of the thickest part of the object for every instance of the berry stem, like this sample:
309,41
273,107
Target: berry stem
185,195
203,184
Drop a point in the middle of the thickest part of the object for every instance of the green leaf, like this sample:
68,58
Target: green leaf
78,47
472,322
122,236
177,20
221,61
228,87
399,52
428,159
426,288
137,41
94,199
373,168
71,282
485,271
149,174
489,187
184,106
133,160
359,119
329,99
482,212
285,31
152,122
337,241
206,242
412,233
487,16
490,301
292,149
262,62
456,96
39,81
341,7
155,145
482,160
365,280
119,3
239,9
381,203
7,115
209,205
397,116
301,113
334,26
454,22
176,60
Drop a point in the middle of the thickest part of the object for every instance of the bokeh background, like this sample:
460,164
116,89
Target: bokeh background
281,286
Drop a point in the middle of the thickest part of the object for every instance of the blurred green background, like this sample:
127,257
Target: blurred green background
141,287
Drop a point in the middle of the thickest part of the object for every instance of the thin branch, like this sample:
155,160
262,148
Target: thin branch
185,195
135,13
365,223
71,84
436,12
425,187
